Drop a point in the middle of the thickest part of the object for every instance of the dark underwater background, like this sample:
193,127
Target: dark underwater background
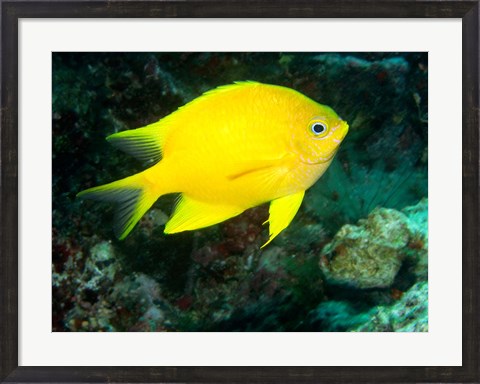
353,259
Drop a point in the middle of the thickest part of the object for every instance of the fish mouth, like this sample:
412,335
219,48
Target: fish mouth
343,130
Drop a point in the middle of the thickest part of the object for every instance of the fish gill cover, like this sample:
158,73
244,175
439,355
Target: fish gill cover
353,259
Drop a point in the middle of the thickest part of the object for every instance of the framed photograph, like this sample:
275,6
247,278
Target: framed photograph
206,192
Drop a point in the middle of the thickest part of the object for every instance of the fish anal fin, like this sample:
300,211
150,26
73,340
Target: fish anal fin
282,212
192,214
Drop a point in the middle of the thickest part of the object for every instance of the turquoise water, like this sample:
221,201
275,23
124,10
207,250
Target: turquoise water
353,259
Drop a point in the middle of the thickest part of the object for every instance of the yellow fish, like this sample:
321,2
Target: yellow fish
231,149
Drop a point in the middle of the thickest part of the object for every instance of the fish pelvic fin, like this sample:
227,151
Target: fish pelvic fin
282,211
134,196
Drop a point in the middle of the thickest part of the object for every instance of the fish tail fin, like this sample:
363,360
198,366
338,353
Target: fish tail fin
134,196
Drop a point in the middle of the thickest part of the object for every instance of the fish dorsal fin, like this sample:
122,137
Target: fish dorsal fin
144,143
282,212
192,214
222,89
230,87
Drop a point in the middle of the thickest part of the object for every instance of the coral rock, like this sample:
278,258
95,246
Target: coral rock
410,314
370,254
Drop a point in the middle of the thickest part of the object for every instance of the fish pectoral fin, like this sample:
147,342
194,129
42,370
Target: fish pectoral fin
246,172
261,166
249,170
192,214
282,212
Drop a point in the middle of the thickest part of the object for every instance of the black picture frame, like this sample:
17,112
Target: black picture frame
12,11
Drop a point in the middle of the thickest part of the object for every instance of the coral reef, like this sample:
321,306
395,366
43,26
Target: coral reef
374,263
104,300
336,316
370,254
376,274
409,314
131,304
417,247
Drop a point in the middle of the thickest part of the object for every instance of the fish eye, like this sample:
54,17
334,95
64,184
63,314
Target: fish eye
318,128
